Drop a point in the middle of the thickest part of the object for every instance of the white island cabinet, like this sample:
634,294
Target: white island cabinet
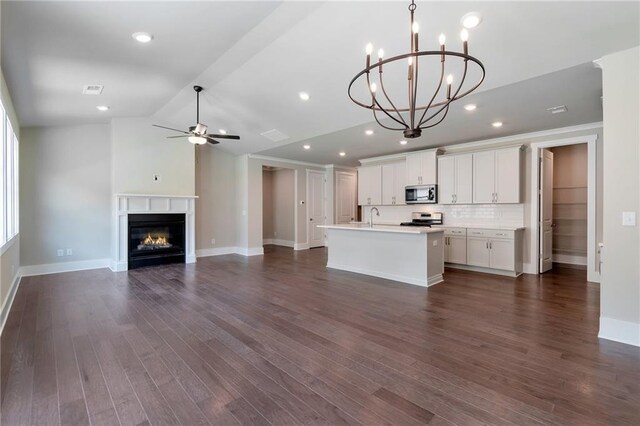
410,255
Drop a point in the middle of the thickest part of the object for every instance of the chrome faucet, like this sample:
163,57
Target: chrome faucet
371,215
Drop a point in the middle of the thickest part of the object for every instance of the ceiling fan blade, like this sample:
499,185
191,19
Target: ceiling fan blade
223,136
212,141
180,136
169,128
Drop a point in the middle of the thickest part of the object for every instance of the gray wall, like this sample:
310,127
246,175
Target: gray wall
216,188
283,205
278,201
267,204
139,150
620,284
65,188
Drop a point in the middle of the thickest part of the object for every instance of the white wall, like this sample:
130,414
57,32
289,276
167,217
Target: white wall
10,259
620,283
65,193
216,187
139,150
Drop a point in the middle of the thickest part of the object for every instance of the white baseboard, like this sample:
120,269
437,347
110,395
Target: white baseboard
216,251
250,251
54,268
620,331
483,270
301,246
276,242
570,259
6,306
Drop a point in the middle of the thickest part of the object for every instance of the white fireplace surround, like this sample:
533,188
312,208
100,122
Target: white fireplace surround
150,204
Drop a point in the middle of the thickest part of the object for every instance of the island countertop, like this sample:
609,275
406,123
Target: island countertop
384,228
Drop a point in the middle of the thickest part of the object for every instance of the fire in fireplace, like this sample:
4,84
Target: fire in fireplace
156,239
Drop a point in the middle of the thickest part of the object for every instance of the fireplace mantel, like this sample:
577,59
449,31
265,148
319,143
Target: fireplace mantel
149,204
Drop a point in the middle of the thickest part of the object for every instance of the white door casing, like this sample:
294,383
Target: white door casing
546,210
316,214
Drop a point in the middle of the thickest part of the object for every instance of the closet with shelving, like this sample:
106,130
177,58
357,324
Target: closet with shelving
570,204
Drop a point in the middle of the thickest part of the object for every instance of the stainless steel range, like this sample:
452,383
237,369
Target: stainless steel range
424,219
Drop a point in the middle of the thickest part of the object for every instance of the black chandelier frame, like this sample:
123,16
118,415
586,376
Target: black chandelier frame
413,128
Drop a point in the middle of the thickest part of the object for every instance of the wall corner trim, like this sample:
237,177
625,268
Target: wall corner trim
619,331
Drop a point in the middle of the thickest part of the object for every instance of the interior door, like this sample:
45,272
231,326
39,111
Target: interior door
346,197
546,210
315,208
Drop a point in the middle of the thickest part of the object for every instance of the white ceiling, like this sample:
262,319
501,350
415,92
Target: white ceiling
254,58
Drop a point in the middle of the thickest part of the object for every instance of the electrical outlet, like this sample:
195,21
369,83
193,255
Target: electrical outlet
213,241
60,252
157,178
69,252
435,243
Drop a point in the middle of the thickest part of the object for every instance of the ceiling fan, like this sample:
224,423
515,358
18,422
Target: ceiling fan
198,134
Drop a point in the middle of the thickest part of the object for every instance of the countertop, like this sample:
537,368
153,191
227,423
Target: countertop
383,228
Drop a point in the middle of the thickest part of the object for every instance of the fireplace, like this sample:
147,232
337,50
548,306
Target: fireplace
156,239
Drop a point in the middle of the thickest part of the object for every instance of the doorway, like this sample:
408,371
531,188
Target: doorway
564,212
316,210
278,206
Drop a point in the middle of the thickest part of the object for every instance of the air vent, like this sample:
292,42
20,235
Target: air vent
557,109
275,135
92,89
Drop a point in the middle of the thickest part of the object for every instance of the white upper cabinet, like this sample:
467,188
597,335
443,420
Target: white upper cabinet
370,185
394,177
422,168
497,176
484,177
455,179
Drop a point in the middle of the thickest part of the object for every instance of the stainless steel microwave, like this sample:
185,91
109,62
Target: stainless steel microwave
421,194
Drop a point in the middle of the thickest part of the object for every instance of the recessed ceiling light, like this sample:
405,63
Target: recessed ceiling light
304,96
222,131
142,37
471,20
470,107
403,142
306,146
497,124
368,132
102,108
342,154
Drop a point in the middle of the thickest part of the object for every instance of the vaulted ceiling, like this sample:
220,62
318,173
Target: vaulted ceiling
253,58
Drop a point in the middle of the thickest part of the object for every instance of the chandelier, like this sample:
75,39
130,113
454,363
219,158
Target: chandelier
412,117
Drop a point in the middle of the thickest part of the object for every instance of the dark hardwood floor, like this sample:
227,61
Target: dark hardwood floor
282,340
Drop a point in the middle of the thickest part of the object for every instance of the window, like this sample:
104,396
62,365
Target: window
8,179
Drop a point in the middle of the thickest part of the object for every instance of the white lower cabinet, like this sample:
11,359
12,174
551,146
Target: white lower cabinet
485,250
455,245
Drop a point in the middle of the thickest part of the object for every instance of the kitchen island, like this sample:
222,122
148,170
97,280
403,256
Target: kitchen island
413,255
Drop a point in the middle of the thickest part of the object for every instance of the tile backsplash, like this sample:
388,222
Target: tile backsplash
454,215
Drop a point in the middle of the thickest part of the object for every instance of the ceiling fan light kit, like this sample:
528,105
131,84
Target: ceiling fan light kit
413,117
197,134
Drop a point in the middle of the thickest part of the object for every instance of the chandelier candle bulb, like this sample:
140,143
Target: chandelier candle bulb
464,35
373,88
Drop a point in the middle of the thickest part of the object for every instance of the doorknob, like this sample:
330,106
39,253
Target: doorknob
310,219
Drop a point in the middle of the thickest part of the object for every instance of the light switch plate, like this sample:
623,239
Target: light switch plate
628,218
